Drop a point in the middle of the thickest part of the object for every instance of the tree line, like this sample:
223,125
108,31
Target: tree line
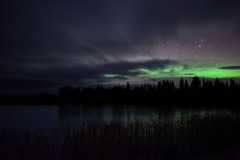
165,92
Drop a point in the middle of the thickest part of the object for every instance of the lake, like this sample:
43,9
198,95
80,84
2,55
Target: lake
45,119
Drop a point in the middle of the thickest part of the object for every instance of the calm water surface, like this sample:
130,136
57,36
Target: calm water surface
19,119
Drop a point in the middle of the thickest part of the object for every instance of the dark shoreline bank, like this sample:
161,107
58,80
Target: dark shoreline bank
160,101
165,93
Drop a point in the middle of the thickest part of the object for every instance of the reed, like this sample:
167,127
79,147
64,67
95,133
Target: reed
182,138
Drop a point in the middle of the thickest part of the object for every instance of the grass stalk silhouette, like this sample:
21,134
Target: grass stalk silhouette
181,138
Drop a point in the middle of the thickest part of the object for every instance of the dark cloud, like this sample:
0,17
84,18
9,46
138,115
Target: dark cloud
55,77
40,26
123,68
46,43
230,67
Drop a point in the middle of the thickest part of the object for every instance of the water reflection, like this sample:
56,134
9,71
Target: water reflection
126,113
18,119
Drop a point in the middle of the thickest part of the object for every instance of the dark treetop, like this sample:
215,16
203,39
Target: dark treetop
198,92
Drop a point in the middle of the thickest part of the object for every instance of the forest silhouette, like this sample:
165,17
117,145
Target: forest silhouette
165,92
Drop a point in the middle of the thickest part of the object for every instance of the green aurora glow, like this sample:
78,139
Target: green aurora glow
203,68
208,72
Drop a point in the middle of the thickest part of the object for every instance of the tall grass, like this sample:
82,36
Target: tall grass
182,138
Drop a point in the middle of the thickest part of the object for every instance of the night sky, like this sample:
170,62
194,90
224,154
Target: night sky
45,44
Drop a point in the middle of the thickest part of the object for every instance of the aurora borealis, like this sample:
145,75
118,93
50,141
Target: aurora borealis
202,69
47,44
